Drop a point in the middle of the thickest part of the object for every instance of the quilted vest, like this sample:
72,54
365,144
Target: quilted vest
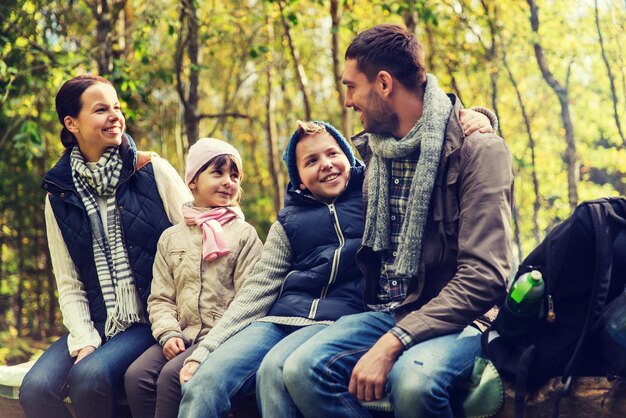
143,220
325,282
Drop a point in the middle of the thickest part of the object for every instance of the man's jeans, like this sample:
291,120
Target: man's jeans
230,372
92,384
420,383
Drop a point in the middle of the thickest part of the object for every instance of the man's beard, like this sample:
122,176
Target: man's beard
379,118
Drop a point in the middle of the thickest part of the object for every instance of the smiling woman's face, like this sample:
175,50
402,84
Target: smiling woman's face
100,123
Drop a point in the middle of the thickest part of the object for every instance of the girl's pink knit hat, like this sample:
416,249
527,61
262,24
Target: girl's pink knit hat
203,151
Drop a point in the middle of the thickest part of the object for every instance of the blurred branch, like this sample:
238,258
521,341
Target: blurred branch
223,115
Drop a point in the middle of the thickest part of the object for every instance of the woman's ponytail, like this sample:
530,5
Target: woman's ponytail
67,138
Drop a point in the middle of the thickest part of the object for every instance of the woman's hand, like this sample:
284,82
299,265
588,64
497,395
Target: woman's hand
84,352
188,371
173,347
474,121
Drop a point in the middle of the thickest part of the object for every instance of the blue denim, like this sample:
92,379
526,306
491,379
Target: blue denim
92,384
271,393
421,382
230,372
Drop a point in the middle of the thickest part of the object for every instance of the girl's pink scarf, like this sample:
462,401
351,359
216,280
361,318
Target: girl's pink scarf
210,221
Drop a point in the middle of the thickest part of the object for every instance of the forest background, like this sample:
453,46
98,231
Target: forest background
552,70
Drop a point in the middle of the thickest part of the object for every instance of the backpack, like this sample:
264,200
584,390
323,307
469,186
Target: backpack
583,263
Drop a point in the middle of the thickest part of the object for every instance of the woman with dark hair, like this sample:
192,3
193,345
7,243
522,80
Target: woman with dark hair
105,209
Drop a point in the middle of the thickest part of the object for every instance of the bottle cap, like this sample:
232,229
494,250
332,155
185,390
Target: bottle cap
535,275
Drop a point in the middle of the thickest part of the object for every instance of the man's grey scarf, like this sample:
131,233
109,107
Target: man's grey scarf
427,136
114,274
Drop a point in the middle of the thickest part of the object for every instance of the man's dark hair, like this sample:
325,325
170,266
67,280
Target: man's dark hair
390,48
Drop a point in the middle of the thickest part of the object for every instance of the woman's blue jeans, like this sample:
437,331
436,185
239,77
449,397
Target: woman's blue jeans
230,372
420,384
92,384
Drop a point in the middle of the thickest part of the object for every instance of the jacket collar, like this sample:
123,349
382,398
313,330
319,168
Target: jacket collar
60,176
454,135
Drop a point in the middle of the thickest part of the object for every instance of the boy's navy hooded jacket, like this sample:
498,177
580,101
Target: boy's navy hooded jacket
325,282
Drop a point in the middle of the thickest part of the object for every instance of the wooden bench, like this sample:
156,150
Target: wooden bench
11,378
589,397
10,381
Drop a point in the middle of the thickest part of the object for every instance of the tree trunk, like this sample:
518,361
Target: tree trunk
188,42
128,16
531,146
455,86
410,17
299,69
430,53
490,49
105,13
39,232
611,77
517,234
3,322
191,121
19,296
562,94
255,170
492,57
103,38
346,121
622,65
270,124
37,328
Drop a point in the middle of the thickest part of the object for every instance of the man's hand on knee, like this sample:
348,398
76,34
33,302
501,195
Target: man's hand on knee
369,376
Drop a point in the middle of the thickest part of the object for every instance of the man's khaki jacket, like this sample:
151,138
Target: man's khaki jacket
466,256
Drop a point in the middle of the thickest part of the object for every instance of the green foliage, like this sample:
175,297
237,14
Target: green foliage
43,43
15,350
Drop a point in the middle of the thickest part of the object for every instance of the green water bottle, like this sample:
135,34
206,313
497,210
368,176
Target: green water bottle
526,293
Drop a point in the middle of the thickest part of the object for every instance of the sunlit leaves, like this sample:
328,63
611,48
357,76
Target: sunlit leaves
43,43
28,140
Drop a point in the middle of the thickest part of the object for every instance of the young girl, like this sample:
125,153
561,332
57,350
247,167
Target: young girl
106,207
200,264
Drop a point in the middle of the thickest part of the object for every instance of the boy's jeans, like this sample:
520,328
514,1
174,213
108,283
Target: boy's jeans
230,372
419,385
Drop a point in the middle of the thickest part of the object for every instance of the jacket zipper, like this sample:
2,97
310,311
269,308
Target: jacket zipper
282,287
199,297
336,258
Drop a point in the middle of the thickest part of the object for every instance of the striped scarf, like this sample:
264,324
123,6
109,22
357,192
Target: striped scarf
427,137
114,273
